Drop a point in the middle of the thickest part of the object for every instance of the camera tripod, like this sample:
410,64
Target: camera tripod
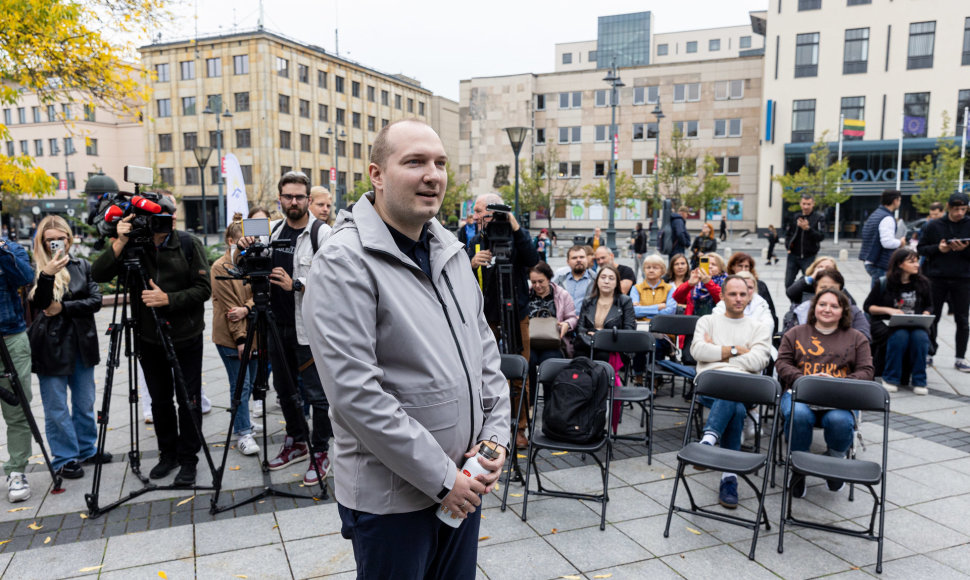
17,396
262,326
134,269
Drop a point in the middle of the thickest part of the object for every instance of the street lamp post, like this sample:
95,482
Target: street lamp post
517,138
659,114
221,218
202,155
338,198
614,79
68,150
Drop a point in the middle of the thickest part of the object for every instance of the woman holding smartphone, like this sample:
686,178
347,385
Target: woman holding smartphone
64,347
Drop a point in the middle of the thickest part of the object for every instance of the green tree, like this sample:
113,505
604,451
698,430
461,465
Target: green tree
360,188
627,189
819,178
540,185
937,174
678,169
708,190
55,49
455,195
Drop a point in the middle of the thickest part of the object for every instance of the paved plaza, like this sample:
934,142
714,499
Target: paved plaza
171,534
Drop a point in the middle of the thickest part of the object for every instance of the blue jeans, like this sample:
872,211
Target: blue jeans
726,420
837,424
71,431
913,343
230,358
875,272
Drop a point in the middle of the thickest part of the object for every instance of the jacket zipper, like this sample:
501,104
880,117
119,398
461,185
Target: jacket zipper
453,297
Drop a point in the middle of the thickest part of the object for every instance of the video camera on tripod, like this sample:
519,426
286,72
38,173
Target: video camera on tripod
497,234
151,216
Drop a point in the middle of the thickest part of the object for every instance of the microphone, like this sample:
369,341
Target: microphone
113,214
146,204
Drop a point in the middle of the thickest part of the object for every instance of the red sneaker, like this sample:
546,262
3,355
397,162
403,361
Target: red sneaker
323,466
291,452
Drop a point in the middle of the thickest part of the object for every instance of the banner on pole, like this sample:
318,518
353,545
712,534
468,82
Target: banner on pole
236,200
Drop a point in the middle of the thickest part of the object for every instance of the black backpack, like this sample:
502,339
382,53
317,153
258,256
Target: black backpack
666,242
575,407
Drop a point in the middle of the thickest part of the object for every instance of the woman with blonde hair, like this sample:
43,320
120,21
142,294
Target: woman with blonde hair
64,347
804,288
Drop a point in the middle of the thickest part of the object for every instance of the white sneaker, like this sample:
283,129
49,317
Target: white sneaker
247,445
890,388
921,391
257,409
206,405
149,419
749,425
17,487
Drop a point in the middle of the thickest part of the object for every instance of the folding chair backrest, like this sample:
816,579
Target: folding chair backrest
739,387
848,394
625,341
680,324
514,366
550,368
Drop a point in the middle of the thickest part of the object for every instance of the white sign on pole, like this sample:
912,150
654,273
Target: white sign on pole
236,200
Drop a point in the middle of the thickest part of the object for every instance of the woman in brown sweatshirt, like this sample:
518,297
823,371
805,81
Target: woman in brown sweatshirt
826,346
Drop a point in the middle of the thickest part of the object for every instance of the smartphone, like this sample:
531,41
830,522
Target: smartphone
256,227
706,265
55,246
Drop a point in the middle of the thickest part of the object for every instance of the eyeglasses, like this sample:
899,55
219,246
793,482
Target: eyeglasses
291,198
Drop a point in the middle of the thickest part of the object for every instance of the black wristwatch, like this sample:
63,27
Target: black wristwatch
734,351
297,286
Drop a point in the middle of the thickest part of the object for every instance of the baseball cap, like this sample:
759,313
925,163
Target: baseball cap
958,199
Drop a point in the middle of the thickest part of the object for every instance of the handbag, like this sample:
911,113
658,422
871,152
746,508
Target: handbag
544,333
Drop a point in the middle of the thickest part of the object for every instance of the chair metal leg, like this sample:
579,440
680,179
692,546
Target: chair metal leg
513,456
673,496
530,459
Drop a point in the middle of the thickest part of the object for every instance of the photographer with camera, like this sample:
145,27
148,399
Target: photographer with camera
178,272
293,243
502,241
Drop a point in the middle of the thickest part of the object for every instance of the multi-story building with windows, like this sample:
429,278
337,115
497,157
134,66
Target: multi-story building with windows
713,99
293,106
896,65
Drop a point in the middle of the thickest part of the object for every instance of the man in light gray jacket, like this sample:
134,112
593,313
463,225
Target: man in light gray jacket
410,367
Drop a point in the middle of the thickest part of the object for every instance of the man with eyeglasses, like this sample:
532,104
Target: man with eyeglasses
291,265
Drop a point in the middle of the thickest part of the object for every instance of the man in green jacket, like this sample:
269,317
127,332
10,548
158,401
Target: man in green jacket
178,289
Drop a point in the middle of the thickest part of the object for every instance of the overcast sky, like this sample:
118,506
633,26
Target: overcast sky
440,43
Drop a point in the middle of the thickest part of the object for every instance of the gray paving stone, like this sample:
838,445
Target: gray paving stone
951,512
234,534
319,556
173,569
636,471
800,556
696,564
653,569
270,561
648,532
530,559
626,503
580,548
561,514
957,557
57,561
308,522
498,527
918,566
919,533
149,547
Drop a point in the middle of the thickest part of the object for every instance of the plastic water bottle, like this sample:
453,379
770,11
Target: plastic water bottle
472,468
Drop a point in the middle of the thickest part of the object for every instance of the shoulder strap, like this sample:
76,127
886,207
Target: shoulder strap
313,235
185,240
278,225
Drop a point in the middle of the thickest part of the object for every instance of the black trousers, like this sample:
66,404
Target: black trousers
956,291
177,438
795,264
293,356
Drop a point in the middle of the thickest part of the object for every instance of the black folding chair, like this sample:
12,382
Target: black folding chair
630,342
539,441
741,388
677,325
514,366
850,395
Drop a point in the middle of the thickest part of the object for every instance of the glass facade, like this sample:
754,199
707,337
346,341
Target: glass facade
624,38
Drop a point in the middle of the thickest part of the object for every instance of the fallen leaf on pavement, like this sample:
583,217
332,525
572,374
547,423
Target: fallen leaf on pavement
47,540
35,526
4,542
91,568
693,531
218,444
185,501
162,574
572,577
83,516
559,452
20,509
241,576
516,494
603,576
483,538
555,530
520,456
234,468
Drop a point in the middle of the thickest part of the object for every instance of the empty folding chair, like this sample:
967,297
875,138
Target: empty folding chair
514,366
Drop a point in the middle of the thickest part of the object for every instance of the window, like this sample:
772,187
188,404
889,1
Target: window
727,165
567,58
21,115
240,64
191,176
91,146
646,95
214,174
602,133
38,147
303,73
570,134
325,147
69,145
662,49
421,108
284,140
341,148
213,103
853,108
213,67
338,83
162,73
688,129
639,131
66,111
921,38
385,98
714,44
215,139
858,2
591,57
188,105
690,92
242,102
304,143
966,41
247,173
24,147
187,68
189,141
323,112
916,112
809,5
167,175
691,46
341,118
599,168
724,90
282,67
744,42
371,123
51,114
642,167
540,102
284,169
371,94
727,128
568,169
540,136
7,117
322,79
855,58
51,144
806,55
11,151
385,122
355,89
358,151
573,100
355,120
397,102
243,139
963,101
602,98
284,104
305,108
410,105
803,121
164,107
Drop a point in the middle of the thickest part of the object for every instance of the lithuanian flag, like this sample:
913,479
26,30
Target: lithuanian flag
853,127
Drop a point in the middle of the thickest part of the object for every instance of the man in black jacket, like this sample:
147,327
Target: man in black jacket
179,286
523,257
803,236
944,243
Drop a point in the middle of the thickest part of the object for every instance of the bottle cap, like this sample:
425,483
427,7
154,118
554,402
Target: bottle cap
489,449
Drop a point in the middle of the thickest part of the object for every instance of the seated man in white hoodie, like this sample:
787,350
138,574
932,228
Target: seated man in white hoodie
732,342
757,307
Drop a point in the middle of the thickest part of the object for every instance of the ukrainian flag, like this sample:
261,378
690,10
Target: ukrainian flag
853,127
